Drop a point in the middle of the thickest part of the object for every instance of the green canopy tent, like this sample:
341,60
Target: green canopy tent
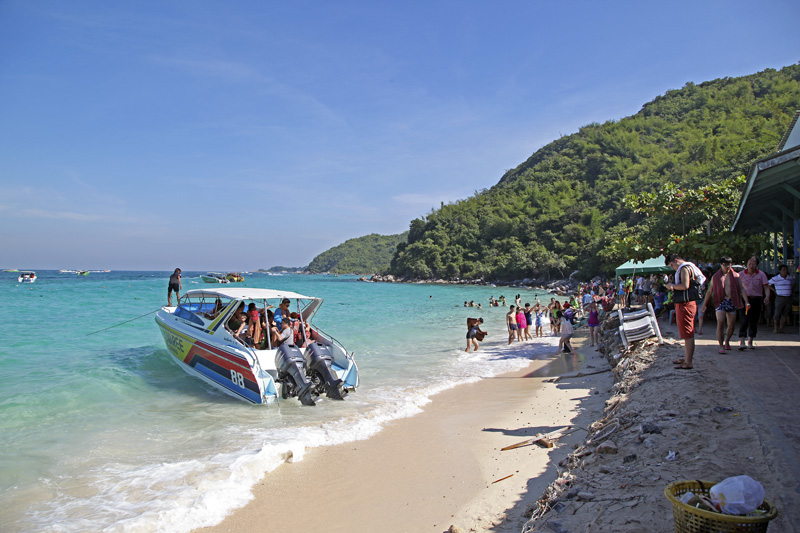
650,266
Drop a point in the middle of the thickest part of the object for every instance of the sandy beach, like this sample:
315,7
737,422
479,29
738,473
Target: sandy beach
443,470
732,415
442,466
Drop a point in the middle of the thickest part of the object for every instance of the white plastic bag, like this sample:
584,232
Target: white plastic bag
737,495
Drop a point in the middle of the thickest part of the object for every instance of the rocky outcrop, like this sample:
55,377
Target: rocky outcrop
561,287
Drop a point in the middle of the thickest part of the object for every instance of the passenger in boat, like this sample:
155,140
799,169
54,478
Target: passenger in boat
217,308
274,331
299,338
287,333
253,323
282,312
174,285
237,324
309,332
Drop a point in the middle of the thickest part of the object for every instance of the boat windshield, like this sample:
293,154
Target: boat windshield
199,309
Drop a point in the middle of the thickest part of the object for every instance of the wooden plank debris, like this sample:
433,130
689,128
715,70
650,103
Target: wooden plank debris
578,375
543,440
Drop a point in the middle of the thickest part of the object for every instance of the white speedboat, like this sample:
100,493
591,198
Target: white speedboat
214,277
26,276
197,333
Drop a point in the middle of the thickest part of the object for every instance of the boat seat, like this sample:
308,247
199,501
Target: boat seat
638,325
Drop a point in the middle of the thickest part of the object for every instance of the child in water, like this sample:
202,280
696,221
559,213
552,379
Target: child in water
539,319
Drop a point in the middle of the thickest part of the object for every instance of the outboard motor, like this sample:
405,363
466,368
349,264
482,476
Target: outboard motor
291,374
319,361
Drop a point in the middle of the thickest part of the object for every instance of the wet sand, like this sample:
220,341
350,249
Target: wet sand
440,467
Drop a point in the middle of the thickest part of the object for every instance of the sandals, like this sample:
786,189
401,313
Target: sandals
678,361
722,351
684,366
728,347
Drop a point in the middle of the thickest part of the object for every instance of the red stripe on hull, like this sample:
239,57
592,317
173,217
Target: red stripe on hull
222,359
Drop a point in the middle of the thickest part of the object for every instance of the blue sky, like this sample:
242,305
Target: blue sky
238,135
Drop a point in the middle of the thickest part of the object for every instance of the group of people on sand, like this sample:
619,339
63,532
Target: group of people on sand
519,321
264,329
729,293
561,318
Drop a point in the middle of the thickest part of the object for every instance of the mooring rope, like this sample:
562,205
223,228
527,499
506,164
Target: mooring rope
121,323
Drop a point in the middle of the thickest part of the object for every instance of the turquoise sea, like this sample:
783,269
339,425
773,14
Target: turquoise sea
105,432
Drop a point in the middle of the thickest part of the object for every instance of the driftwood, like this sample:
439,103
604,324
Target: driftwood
501,479
545,441
578,375
539,439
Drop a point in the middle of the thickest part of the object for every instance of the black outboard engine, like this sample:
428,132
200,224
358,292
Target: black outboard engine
292,375
318,361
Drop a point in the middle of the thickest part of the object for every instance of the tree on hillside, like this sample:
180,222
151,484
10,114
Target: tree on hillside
369,254
693,222
560,209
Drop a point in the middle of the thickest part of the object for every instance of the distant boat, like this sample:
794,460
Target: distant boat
214,277
26,276
234,277
11,270
82,272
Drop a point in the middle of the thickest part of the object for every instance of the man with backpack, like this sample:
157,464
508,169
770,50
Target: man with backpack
687,278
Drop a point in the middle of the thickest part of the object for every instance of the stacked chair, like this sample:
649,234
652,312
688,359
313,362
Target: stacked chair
638,325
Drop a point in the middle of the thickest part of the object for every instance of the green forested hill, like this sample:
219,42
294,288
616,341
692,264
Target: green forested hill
369,254
559,209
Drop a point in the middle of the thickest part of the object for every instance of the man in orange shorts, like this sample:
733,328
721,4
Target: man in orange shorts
686,311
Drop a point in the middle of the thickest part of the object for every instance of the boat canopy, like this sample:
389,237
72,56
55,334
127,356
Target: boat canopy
246,293
249,293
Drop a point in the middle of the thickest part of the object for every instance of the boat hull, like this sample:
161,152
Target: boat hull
227,370
212,279
26,277
198,335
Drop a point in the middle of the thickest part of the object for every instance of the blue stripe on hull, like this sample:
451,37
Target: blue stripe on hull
246,394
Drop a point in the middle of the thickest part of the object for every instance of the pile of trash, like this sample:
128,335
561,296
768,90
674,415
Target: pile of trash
737,495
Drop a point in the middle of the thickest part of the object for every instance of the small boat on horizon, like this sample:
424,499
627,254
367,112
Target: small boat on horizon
198,335
26,276
234,277
214,277
82,272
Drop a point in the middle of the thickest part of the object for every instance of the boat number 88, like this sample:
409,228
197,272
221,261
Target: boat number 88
237,378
